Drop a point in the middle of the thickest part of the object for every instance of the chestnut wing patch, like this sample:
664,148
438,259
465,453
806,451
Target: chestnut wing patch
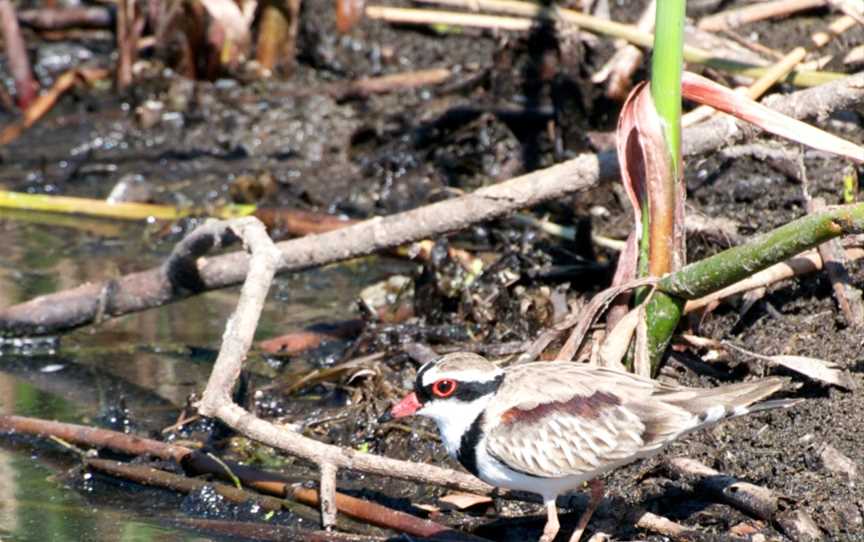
566,438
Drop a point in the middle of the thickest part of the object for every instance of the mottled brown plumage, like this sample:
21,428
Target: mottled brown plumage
548,427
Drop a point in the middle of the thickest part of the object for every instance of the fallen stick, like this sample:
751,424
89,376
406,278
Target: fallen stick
47,18
46,101
79,306
264,532
579,19
735,18
807,262
755,500
196,463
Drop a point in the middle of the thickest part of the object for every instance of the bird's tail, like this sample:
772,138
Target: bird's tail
712,405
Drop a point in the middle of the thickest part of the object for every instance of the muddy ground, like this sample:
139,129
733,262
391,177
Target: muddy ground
386,153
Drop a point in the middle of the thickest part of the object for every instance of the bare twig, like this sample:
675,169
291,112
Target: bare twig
664,526
834,261
327,495
147,289
216,399
735,18
750,498
26,87
388,83
617,73
46,101
196,463
805,263
47,18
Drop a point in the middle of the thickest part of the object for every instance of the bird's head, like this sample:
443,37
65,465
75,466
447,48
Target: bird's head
453,386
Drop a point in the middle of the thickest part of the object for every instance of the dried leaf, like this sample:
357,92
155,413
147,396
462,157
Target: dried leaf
235,25
705,91
614,348
650,177
815,368
465,500
835,461
584,320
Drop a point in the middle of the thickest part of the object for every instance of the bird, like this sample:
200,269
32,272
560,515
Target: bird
548,427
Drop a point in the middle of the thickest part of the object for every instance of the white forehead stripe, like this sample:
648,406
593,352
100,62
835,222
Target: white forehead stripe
472,375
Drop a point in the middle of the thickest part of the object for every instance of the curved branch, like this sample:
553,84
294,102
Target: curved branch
80,306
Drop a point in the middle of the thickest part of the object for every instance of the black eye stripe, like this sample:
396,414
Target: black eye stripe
465,391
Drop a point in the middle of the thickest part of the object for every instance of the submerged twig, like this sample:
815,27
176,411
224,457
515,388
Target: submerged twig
196,463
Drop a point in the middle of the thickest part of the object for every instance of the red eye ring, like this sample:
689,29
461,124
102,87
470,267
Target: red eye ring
444,388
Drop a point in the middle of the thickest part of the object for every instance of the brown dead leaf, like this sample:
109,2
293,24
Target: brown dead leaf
699,89
814,368
615,347
465,500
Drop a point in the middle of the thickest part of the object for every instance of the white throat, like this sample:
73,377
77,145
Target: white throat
454,418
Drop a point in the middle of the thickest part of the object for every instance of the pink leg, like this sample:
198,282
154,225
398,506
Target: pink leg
552,526
597,490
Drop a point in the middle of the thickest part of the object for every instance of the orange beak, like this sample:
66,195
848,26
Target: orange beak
406,407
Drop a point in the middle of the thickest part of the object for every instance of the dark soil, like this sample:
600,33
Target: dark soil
387,153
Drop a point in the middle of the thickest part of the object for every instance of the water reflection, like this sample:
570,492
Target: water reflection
147,364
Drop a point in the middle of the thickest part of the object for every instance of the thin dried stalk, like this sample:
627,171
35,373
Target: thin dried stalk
735,18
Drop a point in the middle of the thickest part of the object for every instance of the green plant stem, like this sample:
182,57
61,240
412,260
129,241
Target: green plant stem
665,238
728,267
719,271
667,61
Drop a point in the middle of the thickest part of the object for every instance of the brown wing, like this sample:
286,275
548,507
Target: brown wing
588,420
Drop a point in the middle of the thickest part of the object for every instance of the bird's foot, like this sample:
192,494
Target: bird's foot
552,525
597,490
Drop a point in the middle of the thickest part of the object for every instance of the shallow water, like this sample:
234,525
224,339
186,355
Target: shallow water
131,373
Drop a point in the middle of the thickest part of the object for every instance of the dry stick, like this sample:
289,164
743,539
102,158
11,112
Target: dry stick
750,498
804,263
195,462
147,289
834,261
46,101
154,477
46,18
664,526
94,437
328,495
426,16
26,87
735,18
584,22
618,71
777,71
239,331
388,83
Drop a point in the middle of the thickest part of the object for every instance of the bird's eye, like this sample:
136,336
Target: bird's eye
444,387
